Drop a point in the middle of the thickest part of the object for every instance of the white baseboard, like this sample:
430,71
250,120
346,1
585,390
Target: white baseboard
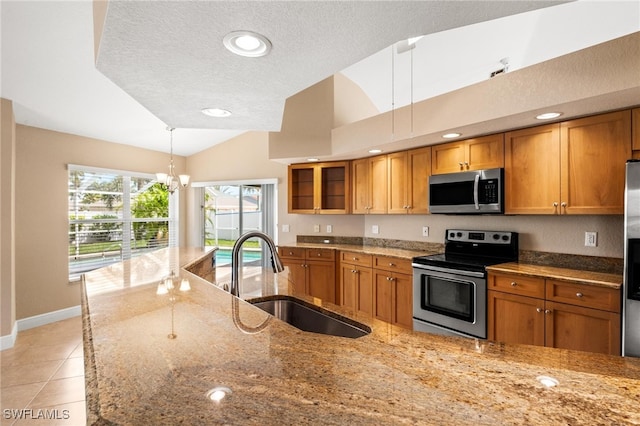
7,342
48,318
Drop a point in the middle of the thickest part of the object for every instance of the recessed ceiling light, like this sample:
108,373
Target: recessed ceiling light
451,135
375,151
247,43
216,112
548,115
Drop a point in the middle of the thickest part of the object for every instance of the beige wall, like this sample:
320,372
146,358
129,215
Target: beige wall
7,218
41,209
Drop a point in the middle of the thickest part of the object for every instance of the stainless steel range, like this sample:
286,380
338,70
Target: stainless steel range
450,289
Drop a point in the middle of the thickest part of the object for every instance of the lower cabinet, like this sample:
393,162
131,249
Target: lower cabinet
553,313
356,282
393,291
312,271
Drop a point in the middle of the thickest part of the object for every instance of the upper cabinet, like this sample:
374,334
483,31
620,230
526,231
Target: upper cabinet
574,167
486,152
408,181
319,188
369,185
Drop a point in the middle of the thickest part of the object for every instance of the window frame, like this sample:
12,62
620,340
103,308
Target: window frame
126,216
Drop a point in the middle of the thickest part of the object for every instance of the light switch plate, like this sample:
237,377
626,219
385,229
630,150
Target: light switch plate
316,228
285,228
375,229
329,229
425,231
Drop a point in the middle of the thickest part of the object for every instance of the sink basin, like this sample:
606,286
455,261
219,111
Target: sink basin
310,318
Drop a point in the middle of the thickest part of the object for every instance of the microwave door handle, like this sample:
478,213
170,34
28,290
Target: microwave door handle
475,191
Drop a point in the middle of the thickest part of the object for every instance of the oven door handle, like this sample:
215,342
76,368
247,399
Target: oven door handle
476,183
448,270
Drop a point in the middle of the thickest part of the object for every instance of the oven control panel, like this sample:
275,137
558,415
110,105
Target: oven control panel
489,237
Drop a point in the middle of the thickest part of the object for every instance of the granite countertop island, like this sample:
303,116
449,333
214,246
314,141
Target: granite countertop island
136,374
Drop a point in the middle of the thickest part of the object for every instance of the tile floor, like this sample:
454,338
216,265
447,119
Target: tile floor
43,376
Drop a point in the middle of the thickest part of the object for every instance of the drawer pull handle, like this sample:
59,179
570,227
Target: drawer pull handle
290,253
392,264
513,283
579,295
319,254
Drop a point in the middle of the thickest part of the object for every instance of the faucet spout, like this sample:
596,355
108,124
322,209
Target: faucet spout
276,263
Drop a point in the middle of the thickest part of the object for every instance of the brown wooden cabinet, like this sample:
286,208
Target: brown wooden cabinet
408,178
312,271
559,314
356,285
573,167
393,290
485,152
322,188
369,185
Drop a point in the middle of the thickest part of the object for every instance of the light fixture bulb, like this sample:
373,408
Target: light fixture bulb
216,112
548,115
451,135
247,43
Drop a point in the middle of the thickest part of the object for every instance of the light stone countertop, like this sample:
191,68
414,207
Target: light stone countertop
136,375
599,279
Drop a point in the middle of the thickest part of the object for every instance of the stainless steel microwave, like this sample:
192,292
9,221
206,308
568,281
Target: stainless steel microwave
472,192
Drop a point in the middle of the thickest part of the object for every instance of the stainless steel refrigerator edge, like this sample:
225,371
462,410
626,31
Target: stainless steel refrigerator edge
631,286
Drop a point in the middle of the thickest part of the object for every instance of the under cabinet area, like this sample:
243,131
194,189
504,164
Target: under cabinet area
588,179
321,188
311,270
548,312
485,152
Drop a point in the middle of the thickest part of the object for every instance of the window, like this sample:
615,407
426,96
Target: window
231,209
115,215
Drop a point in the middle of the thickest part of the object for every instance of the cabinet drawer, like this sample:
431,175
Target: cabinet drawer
392,264
355,258
588,296
320,254
517,284
291,252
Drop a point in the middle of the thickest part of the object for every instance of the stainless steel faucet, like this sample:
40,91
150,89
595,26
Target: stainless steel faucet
276,263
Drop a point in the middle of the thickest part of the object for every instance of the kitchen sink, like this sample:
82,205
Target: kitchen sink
307,317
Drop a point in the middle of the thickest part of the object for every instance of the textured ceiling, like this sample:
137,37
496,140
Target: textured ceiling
170,58
51,76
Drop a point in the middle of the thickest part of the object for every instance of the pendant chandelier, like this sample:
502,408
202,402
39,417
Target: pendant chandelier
169,180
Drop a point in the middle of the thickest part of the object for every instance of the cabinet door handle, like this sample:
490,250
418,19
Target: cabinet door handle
513,283
353,271
538,309
564,205
555,204
547,311
579,294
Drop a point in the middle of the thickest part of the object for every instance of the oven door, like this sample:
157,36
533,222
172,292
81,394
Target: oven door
453,299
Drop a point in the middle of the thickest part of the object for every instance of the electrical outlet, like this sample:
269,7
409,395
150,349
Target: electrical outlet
316,228
590,239
285,228
425,231
375,229
329,229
